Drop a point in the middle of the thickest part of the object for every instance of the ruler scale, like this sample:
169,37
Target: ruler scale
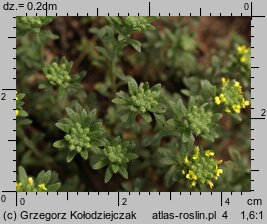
133,207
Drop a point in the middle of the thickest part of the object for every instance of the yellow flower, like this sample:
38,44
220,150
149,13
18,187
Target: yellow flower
209,153
42,187
245,103
224,80
193,184
238,87
30,181
186,161
211,185
219,172
191,175
18,185
17,113
237,84
196,150
217,100
222,97
231,96
243,59
219,161
242,49
202,168
243,52
237,108
227,110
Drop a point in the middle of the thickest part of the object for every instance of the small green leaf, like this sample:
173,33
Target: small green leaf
62,94
178,108
168,178
167,161
119,101
47,35
98,142
83,115
54,177
53,187
46,177
108,174
209,91
84,154
191,102
187,136
123,172
131,156
147,117
160,119
132,85
122,95
217,116
131,119
40,176
115,167
100,164
181,108
70,156
23,178
158,109
135,44
71,114
60,144
156,87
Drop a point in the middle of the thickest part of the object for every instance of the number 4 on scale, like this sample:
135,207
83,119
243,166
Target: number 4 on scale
224,215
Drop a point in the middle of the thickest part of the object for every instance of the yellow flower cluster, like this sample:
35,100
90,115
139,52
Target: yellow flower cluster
17,111
42,187
30,186
201,168
244,53
18,185
231,96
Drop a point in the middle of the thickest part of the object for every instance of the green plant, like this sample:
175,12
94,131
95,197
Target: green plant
231,97
19,103
155,110
33,23
44,182
194,120
142,100
115,155
114,39
33,38
201,168
84,133
59,75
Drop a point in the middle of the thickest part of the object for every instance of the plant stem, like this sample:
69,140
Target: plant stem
40,46
31,146
113,76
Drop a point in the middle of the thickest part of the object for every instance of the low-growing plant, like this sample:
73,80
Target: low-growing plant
133,132
44,182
